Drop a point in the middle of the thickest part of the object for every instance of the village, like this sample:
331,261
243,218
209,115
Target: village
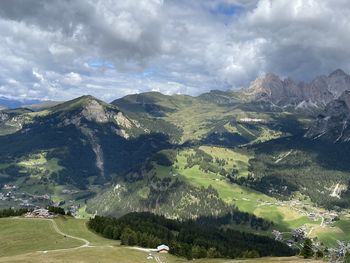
10,196
326,217
323,218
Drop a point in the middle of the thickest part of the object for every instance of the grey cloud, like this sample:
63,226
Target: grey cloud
175,46
301,38
117,30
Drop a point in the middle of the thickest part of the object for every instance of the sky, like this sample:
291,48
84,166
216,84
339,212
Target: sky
62,49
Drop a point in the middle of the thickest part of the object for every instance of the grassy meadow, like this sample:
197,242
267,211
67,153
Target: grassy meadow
19,236
36,240
244,198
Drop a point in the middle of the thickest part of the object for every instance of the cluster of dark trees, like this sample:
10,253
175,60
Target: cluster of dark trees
190,239
206,162
200,157
298,172
13,212
56,210
236,218
165,157
310,162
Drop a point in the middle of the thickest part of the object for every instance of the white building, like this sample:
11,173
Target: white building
162,249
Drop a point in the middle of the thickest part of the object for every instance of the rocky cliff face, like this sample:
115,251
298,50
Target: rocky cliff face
91,117
333,123
301,96
3,116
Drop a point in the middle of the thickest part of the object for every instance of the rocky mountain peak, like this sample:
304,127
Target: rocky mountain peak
337,73
289,93
91,109
271,88
94,111
338,82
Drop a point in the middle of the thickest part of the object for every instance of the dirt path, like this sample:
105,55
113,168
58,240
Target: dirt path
58,231
322,221
87,243
151,251
55,227
158,259
311,229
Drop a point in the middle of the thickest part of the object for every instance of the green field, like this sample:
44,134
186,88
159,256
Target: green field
77,227
38,166
19,236
255,202
329,236
36,240
239,160
244,198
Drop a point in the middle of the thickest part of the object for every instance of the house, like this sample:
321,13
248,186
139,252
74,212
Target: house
39,213
290,242
162,249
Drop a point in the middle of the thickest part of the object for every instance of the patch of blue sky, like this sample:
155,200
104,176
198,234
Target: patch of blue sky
100,63
227,10
150,72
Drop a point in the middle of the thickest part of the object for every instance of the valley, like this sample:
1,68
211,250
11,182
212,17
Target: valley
209,131
246,163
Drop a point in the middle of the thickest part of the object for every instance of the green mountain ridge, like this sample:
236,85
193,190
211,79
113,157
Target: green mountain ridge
180,156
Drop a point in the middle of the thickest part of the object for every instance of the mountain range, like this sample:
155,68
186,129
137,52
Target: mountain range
17,103
299,95
181,156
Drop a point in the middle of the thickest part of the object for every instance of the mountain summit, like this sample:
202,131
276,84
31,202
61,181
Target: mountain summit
299,95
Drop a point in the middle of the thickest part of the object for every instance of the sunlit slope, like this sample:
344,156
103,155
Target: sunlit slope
210,117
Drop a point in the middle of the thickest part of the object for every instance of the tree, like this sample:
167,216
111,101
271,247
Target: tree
108,232
213,253
250,254
347,257
199,252
194,238
307,251
128,237
56,210
116,233
319,254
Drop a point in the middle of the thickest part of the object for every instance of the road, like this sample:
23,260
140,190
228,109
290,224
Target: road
322,221
321,225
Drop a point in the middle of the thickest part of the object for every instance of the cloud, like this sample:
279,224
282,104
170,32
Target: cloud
301,38
72,78
61,49
120,31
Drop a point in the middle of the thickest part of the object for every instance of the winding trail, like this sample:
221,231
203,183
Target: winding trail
55,227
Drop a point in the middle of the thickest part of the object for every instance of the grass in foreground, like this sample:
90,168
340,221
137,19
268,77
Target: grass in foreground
35,240
125,255
20,236
78,228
